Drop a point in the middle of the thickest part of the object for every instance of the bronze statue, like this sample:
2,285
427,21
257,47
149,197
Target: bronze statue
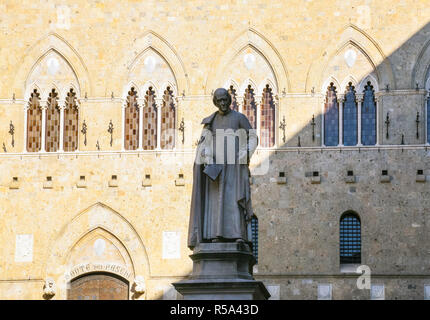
221,208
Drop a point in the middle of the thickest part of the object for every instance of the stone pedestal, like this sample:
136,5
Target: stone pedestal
222,271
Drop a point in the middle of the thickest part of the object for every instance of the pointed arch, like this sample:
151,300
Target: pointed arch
345,83
364,83
328,82
52,42
356,37
231,82
97,216
263,85
146,86
421,67
245,84
151,40
256,40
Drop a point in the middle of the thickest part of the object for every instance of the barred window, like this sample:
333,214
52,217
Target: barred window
34,123
331,117
254,232
350,238
267,135
168,120
149,130
131,134
52,123
71,125
350,117
368,116
234,105
249,107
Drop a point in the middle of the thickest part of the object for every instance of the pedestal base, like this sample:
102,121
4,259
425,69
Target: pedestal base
222,271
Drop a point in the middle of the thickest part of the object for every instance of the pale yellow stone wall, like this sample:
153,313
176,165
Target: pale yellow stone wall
299,46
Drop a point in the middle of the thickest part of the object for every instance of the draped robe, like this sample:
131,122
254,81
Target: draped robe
222,209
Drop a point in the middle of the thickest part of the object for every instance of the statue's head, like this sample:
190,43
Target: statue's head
222,99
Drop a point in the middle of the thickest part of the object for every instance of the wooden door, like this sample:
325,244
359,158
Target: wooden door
98,287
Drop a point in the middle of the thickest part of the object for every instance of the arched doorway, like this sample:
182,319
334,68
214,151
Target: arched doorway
98,286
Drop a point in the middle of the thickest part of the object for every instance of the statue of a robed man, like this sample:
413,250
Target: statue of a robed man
221,208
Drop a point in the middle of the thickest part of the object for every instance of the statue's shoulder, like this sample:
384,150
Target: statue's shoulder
209,119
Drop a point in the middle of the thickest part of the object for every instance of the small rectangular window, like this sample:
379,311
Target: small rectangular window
181,176
385,172
114,177
420,172
350,173
282,174
82,178
15,178
48,178
147,176
315,173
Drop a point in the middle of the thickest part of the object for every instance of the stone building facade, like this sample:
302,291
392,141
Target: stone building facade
100,110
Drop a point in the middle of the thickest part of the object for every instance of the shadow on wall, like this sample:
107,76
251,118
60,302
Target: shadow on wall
355,77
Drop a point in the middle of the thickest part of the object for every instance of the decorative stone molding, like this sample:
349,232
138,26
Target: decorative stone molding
139,285
49,288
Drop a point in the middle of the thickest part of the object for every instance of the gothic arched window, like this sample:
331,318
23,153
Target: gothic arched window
149,130
52,123
267,128
368,116
249,107
131,134
234,105
350,238
168,120
71,122
331,117
34,123
350,117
